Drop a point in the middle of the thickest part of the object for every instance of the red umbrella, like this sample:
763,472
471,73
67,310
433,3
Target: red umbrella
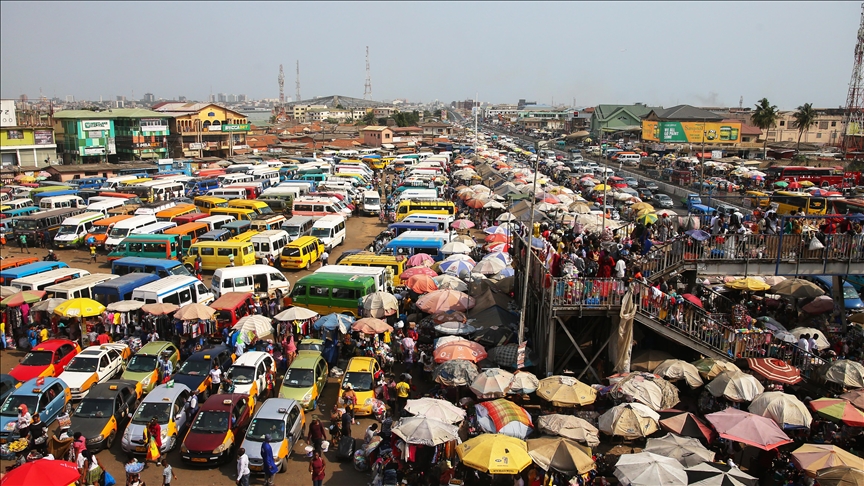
23,297
462,224
497,247
417,271
497,238
819,305
793,185
467,350
476,203
551,199
839,409
420,259
371,325
422,284
686,424
693,299
44,472
775,370
748,428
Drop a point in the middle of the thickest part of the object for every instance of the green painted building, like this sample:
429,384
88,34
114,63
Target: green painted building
86,136
611,119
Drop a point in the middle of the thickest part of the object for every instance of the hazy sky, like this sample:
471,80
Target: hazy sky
698,53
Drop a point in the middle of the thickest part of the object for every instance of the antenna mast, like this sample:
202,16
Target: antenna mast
297,94
367,90
853,116
280,112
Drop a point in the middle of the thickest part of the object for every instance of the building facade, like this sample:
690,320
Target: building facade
26,137
375,136
827,130
612,119
204,130
113,135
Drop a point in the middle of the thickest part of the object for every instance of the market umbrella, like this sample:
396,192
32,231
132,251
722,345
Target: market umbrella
649,469
292,314
457,268
159,309
748,283
468,240
259,325
560,454
477,202
455,247
420,259
464,349
693,300
462,224
571,427
648,389
48,305
507,355
686,450
457,257
839,410
748,428
445,300
435,408
494,205
421,284
449,316
772,324
840,476
43,472
80,307
716,474
194,311
454,328
810,458
456,372
642,205
491,383
647,218
736,386
371,325
629,420
523,382
505,217
6,291
408,273
334,321
856,397
450,282
689,425
698,234
497,238
502,416
709,368
649,359
380,304
819,305
125,305
843,372
449,339
23,297
775,370
489,266
425,431
797,288
821,342
785,410
676,369
495,454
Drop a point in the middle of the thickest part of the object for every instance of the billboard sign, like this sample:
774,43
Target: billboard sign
43,137
235,128
94,150
88,125
691,132
152,125
7,114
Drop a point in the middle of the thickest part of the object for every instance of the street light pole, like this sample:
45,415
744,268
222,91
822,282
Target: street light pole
528,252
702,163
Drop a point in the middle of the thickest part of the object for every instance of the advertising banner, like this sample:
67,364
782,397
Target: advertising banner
235,128
693,132
94,150
196,146
88,125
153,126
7,113
650,131
43,137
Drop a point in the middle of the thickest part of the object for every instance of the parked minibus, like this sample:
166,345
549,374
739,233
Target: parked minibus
206,203
409,244
269,243
112,183
33,268
298,226
301,253
330,230
257,206
170,247
231,307
192,230
382,276
157,266
156,228
236,213
262,280
237,227
59,202
328,293
99,232
412,207
266,222
105,206
227,193
399,228
124,228
217,222
43,221
394,264
314,207
73,231
176,289
178,210
197,187
78,288
217,254
41,281
120,288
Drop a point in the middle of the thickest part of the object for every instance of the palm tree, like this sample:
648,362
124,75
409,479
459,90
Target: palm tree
764,117
804,118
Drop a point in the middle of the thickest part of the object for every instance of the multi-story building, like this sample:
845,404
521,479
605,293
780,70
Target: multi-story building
149,98
204,130
113,135
26,136
826,131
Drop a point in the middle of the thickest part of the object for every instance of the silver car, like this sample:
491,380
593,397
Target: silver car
283,420
164,403
664,201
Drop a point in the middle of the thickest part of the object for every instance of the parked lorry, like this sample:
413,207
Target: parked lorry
693,203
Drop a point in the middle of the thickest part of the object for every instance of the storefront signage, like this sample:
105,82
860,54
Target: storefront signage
7,113
691,132
94,150
148,145
214,128
43,137
94,134
96,124
196,146
236,128
153,126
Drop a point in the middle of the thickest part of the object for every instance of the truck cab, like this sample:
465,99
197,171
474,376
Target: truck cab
693,203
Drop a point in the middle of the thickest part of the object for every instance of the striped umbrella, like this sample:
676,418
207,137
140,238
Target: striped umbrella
775,370
838,409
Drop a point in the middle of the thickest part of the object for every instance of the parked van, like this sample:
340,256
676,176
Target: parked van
279,192
302,252
189,218
43,280
266,222
371,205
233,178
178,210
61,202
156,228
269,243
383,278
157,266
278,206
105,205
42,221
197,187
171,247
314,207
409,244
236,213
73,230
112,183
328,293
330,230
80,287
409,208
217,222
237,227
269,176
192,230
26,270
227,194
216,235
231,307
417,195
120,288
395,265
262,280
257,206
206,203
217,254
19,203
154,208
298,226
249,373
443,222
176,289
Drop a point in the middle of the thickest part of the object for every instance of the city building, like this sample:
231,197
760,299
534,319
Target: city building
374,136
112,135
149,98
826,131
222,97
26,136
690,125
436,129
204,130
612,119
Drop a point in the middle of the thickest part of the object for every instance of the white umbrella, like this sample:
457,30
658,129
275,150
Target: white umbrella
125,305
437,409
686,450
380,304
455,247
493,205
295,314
524,383
455,328
715,474
48,305
648,469
491,383
571,427
450,282
425,431
676,369
736,386
506,217
260,325
490,266
784,409
449,339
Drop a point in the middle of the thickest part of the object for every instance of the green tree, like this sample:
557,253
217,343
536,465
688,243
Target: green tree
437,113
764,117
382,122
427,113
805,117
369,118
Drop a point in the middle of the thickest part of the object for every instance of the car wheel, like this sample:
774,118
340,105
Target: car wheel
110,441
283,467
308,265
172,442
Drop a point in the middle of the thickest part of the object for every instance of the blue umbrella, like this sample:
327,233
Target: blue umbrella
856,217
500,229
538,243
334,321
456,267
698,234
507,272
499,255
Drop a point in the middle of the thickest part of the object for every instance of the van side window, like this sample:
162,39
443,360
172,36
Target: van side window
207,251
185,295
319,291
344,293
172,298
202,290
224,252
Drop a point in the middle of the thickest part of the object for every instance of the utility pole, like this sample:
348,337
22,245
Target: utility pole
476,109
280,112
367,90
297,94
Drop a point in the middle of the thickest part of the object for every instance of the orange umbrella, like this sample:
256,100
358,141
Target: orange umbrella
497,238
159,309
476,203
371,325
467,350
445,300
422,284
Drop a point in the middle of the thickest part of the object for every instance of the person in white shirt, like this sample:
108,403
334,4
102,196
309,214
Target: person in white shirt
804,343
370,433
215,379
812,343
242,468
620,268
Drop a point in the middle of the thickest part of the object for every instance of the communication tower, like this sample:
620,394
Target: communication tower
853,115
297,94
280,113
367,90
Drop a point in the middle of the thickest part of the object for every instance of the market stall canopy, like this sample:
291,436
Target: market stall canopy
844,372
785,410
649,359
259,325
561,454
371,325
194,311
463,349
524,383
23,297
425,431
797,288
450,282
717,474
688,425
571,427
492,383
855,396
495,454
676,369
43,472
435,408
810,458
295,314
840,476
380,304
748,283
736,386
648,389
504,417
507,355
839,410
687,451
629,420
649,469
566,391
80,307
456,372
709,368
48,305
445,300
421,284
821,341
334,321
748,428
125,305
159,309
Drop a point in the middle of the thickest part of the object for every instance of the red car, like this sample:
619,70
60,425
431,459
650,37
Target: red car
48,358
218,428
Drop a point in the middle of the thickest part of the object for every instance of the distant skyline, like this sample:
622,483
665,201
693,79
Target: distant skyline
582,53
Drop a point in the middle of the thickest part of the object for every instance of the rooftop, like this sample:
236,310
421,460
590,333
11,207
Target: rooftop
337,100
687,112
110,114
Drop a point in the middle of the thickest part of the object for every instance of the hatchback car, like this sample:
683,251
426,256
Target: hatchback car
664,201
48,358
281,419
311,344
360,374
214,432
305,379
96,364
104,411
249,373
144,365
649,184
195,371
166,405
49,397
631,182
645,194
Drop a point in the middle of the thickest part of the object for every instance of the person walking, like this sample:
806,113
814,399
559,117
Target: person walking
215,379
167,473
317,467
270,468
22,240
324,258
93,252
317,434
403,389
242,468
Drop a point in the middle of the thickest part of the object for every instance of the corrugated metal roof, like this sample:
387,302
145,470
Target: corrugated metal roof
109,114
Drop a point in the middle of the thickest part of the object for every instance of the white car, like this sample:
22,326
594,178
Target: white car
95,364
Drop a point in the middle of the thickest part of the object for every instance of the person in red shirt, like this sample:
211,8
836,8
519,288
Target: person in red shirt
412,331
317,468
103,338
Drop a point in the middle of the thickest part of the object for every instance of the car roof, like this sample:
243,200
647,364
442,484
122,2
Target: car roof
312,341
200,355
52,344
306,359
250,358
28,386
110,388
154,347
164,392
360,364
270,408
97,350
216,403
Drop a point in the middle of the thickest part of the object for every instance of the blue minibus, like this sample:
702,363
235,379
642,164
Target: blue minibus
42,195
121,287
11,213
399,228
11,274
158,266
89,182
414,242
200,187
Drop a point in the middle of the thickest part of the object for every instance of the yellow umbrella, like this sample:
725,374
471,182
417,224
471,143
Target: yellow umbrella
812,457
602,187
495,454
566,391
640,206
806,183
561,454
81,307
647,217
748,283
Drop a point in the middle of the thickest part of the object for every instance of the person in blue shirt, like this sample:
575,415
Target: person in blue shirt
270,467
33,336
